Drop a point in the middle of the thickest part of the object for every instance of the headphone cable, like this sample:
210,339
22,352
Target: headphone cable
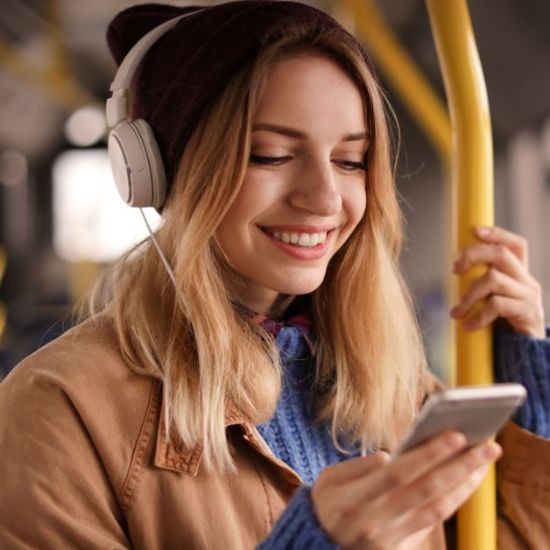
169,269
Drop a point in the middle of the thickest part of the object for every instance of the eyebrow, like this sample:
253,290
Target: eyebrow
298,134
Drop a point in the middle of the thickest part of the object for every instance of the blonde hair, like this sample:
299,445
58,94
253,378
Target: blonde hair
213,361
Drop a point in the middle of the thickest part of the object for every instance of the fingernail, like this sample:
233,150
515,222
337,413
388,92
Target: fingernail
492,450
483,231
455,440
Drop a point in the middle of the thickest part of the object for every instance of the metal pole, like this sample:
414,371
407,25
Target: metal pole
472,183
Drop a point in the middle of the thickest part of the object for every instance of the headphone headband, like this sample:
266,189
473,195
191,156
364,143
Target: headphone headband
135,157
117,105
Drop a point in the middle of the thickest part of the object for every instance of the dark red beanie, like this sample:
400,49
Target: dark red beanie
186,68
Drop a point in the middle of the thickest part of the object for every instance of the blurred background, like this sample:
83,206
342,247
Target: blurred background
61,221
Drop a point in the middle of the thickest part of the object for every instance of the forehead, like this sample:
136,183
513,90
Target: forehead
310,88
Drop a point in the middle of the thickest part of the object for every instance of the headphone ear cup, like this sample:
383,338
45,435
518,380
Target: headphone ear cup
137,165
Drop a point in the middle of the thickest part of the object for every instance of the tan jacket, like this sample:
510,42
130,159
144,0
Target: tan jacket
85,464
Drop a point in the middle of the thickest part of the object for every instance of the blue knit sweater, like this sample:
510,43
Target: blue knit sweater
307,447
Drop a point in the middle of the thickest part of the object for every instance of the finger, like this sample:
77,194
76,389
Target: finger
494,282
349,470
441,509
403,470
494,255
497,235
383,515
522,319
414,540
437,482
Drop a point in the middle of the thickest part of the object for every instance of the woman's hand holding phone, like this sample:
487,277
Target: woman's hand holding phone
370,502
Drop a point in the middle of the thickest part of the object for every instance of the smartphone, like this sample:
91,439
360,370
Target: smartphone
476,411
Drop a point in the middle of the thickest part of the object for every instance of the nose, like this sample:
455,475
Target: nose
316,189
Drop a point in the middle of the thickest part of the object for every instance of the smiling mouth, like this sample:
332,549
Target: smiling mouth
298,239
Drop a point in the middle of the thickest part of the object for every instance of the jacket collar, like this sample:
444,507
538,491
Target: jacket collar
172,455
169,456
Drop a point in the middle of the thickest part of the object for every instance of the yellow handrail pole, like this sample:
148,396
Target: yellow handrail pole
401,72
472,181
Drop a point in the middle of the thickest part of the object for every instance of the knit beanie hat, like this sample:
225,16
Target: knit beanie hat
185,69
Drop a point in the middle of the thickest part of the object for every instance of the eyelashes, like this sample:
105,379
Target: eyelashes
350,165
261,160
268,161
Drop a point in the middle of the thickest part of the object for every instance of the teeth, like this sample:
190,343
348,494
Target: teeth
304,240
307,240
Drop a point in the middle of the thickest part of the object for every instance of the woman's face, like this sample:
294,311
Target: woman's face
304,189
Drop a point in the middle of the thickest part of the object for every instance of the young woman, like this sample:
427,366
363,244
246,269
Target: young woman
224,400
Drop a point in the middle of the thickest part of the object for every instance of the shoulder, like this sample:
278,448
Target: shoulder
85,359
82,377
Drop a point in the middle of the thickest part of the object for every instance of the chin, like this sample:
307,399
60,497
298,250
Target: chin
296,288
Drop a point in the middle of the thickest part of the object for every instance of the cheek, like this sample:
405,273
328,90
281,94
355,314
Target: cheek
236,230
241,212
255,196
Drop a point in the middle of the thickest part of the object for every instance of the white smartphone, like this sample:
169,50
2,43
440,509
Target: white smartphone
476,411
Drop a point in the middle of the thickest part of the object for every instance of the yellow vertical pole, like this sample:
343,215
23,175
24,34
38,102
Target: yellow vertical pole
472,183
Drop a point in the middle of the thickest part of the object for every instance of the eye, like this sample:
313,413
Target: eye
268,161
350,165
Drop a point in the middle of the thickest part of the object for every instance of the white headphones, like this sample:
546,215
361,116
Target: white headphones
135,157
